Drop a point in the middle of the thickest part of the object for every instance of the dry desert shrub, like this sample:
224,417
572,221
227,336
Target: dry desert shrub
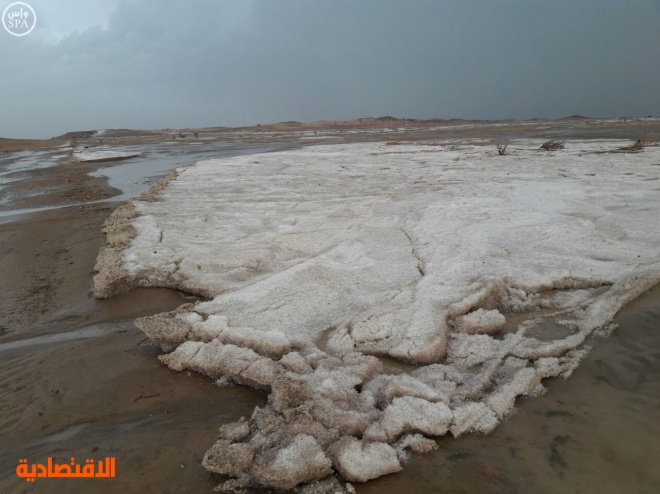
640,144
650,140
552,145
501,146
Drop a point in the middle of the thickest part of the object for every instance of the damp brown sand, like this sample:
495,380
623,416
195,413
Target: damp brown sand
99,394
108,395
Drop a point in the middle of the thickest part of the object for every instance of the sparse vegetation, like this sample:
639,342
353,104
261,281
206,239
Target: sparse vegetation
552,145
640,144
650,140
501,146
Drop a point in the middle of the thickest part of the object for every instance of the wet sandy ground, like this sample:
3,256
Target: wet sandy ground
77,379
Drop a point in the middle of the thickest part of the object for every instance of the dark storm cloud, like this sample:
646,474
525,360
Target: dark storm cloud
155,64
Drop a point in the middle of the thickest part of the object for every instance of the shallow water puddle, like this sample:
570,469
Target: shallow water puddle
135,175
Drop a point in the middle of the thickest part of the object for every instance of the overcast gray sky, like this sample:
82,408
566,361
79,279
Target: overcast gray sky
93,64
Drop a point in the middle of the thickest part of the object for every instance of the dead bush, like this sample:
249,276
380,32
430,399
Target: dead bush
640,144
650,140
552,145
501,146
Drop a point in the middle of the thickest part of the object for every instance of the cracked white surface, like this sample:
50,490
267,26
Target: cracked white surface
315,260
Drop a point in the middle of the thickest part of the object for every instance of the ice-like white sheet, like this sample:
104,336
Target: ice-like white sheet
91,155
316,261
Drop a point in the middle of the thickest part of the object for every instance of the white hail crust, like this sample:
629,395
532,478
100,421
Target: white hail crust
91,155
318,261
